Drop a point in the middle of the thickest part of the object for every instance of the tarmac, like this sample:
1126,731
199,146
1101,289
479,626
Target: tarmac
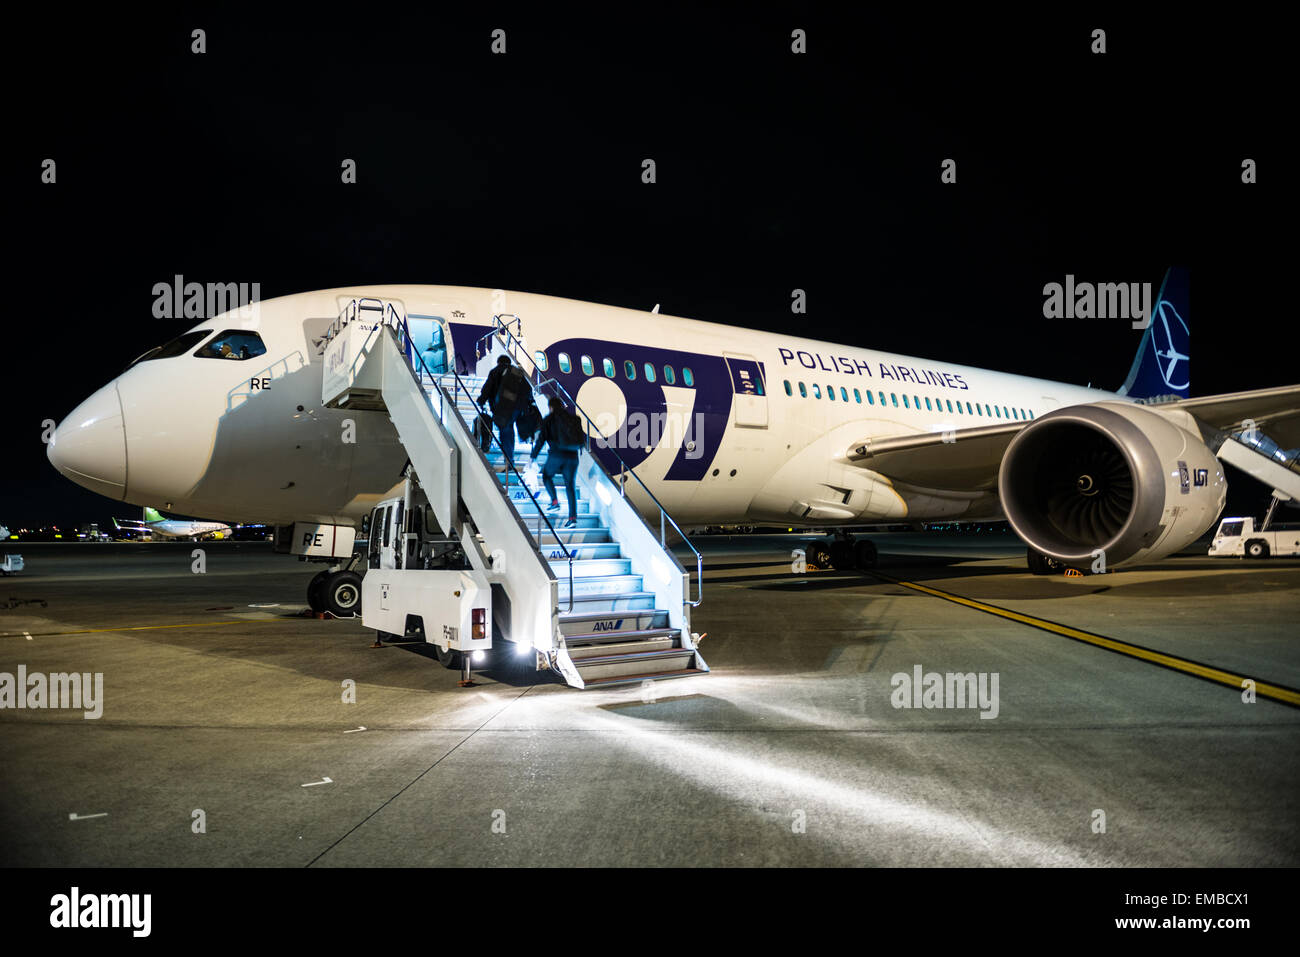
1123,730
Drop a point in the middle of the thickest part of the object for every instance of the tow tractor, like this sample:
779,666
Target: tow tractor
1238,536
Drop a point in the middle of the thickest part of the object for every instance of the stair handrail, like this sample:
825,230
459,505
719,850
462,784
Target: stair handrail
515,320
1262,444
398,323
499,327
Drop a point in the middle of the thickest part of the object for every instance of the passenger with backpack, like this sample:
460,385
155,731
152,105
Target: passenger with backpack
508,391
562,432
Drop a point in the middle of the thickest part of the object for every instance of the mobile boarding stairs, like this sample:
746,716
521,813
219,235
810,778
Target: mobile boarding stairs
469,558
1261,458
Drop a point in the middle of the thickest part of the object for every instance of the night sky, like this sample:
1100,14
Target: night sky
775,171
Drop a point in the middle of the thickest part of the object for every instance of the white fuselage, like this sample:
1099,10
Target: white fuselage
249,439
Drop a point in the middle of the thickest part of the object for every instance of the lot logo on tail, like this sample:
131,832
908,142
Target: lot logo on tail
1162,367
1169,334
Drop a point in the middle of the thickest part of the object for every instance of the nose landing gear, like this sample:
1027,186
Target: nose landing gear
337,592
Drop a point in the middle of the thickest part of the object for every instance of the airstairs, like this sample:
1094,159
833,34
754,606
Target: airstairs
605,602
1260,457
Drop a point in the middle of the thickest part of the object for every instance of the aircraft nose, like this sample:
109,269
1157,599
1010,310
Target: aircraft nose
89,446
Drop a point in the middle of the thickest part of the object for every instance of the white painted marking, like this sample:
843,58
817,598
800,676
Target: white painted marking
85,817
313,784
355,730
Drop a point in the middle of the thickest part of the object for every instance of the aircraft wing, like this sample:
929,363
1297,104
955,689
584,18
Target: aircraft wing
969,459
1275,412
959,459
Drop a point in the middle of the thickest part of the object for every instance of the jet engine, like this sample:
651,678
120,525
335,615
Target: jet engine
1111,480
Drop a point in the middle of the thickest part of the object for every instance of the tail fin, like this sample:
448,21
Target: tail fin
151,515
1160,369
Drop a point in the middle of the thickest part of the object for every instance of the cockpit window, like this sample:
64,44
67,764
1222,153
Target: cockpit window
233,344
178,346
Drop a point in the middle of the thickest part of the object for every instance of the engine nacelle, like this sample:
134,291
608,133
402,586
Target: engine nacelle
1111,476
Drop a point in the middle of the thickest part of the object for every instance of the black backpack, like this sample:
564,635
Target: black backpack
569,436
513,390
528,421
483,431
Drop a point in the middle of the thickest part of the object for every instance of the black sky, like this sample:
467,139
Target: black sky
522,171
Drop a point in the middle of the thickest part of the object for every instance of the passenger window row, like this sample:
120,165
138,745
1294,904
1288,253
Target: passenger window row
607,366
938,405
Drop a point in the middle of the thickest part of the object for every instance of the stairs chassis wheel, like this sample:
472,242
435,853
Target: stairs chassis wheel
449,658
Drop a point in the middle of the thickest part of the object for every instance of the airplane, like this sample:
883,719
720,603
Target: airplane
155,524
758,427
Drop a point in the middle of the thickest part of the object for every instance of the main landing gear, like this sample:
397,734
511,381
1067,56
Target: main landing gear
337,591
843,553
1040,564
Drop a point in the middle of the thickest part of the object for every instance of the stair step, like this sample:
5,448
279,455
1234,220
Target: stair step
514,478
630,600
529,509
581,551
591,567
633,663
595,535
609,622
583,654
520,497
534,489
608,585
632,679
608,642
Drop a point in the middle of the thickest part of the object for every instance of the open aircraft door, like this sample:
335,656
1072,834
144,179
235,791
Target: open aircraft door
750,391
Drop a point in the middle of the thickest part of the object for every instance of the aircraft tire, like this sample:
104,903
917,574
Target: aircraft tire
864,554
316,592
818,556
842,555
1040,564
342,594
